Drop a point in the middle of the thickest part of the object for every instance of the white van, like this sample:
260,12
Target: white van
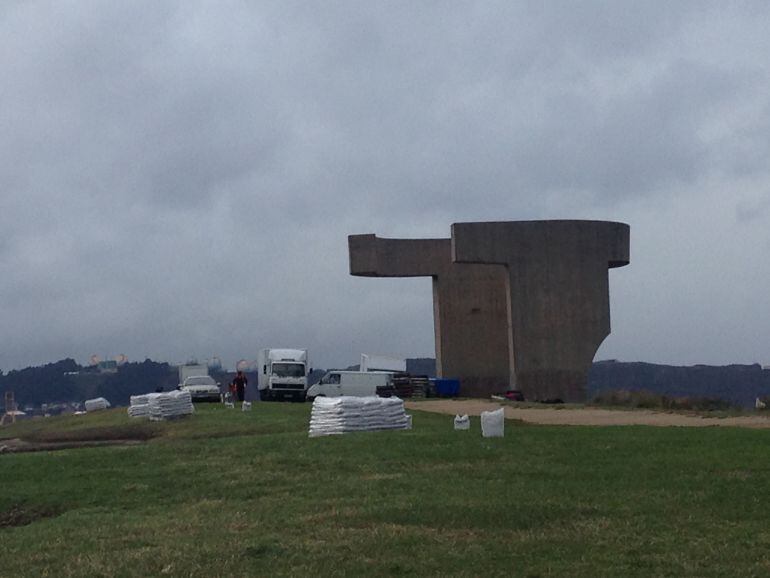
357,383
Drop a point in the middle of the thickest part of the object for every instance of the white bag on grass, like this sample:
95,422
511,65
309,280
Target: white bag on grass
493,423
96,404
462,422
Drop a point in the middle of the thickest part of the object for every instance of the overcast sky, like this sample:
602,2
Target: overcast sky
178,179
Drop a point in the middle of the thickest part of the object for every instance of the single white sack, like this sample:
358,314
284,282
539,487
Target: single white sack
493,423
246,406
408,421
96,404
462,422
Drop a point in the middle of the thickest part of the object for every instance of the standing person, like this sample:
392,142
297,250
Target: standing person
240,382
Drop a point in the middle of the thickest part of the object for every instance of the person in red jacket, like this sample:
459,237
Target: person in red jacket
240,383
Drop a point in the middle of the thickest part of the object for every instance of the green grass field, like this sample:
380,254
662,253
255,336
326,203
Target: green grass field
227,493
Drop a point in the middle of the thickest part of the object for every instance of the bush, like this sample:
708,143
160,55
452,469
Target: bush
643,399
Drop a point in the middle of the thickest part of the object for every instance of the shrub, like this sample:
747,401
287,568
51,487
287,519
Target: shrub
643,399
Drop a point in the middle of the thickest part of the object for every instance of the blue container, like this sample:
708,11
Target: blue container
447,387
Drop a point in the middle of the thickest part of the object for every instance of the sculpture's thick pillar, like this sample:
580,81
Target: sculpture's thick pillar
469,305
559,308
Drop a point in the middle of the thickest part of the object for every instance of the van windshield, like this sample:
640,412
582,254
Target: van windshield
289,369
331,378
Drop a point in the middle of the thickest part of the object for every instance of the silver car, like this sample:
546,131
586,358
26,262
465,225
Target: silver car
201,388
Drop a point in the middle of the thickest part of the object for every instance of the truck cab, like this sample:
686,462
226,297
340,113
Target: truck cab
282,374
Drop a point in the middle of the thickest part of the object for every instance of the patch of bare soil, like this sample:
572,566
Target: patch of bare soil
23,515
16,445
587,415
135,431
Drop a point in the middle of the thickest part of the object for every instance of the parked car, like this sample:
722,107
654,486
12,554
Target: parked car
201,388
356,383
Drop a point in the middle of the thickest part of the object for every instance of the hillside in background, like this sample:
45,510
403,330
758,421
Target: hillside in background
66,381
738,384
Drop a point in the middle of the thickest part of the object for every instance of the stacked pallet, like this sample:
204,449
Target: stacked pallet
420,386
387,391
170,405
402,386
406,386
344,414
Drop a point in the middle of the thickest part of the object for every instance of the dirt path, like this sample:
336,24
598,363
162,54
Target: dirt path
586,416
15,445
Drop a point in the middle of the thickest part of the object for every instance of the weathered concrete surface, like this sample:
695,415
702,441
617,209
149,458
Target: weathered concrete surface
559,308
469,305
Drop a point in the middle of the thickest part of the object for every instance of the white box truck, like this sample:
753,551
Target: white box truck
192,370
371,362
195,378
282,373
356,383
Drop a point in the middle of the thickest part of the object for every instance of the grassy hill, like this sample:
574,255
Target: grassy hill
232,493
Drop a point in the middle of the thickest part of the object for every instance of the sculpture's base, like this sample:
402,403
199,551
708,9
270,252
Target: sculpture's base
564,385
483,387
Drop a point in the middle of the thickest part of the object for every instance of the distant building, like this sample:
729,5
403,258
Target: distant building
108,366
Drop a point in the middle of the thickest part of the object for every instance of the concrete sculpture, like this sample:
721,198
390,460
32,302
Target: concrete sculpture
558,295
469,305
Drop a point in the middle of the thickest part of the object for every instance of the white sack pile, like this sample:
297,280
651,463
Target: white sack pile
140,405
170,405
96,404
337,415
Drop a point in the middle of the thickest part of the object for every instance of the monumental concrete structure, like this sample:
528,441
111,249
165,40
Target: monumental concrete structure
469,306
558,295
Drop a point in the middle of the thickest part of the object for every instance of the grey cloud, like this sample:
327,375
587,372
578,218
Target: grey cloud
179,179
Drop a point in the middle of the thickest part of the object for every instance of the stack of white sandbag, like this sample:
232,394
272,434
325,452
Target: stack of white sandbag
337,415
140,405
96,404
170,405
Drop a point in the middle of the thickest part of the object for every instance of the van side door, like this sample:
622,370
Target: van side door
365,384
332,386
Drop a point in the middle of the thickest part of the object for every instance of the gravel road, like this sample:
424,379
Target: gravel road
587,416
